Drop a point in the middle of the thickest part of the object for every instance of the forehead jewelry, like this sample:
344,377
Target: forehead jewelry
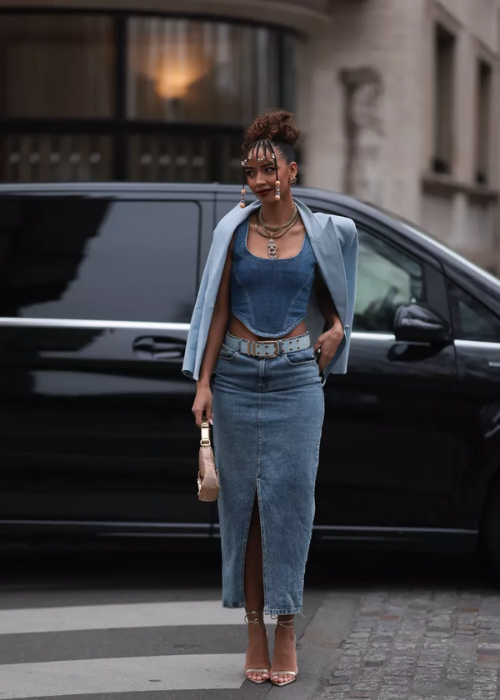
261,150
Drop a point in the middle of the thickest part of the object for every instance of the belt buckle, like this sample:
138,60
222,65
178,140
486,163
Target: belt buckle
276,345
252,347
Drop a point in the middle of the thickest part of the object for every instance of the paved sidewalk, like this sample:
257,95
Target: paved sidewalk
413,644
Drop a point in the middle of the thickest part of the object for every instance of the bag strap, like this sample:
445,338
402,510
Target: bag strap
205,434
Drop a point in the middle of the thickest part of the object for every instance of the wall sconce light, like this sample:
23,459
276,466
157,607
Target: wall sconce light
174,78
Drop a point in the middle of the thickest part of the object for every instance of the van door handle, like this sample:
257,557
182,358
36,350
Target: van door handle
494,364
157,348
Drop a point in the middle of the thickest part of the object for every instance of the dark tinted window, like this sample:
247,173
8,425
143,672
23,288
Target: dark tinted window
471,319
98,259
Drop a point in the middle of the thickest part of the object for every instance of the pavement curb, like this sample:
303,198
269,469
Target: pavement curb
319,646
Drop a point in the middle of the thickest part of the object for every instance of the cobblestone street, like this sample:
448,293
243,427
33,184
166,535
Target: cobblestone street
420,645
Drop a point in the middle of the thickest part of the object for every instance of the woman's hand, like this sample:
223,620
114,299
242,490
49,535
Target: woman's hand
329,343
203,403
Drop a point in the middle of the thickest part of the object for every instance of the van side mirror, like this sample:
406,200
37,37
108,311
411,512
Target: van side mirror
417,323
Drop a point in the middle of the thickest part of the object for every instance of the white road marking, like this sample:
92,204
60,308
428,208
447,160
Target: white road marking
122,675
93,617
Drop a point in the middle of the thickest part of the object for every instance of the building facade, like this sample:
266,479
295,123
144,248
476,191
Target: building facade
398,100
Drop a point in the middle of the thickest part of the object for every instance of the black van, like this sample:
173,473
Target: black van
98,282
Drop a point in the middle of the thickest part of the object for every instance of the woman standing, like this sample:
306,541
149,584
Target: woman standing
274,271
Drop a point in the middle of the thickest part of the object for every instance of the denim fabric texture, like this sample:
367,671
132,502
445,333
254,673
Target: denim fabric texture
268,418
270,296
334,241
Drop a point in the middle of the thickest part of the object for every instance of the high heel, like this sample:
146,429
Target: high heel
258,620
288,623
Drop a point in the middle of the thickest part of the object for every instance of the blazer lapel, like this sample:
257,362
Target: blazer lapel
326,247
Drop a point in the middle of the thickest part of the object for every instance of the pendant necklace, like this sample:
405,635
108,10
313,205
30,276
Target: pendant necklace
272,232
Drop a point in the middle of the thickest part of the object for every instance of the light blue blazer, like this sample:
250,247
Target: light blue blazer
334,240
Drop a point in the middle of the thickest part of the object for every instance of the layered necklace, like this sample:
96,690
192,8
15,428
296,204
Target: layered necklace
272,232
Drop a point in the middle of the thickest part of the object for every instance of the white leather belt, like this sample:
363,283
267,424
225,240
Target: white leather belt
267,348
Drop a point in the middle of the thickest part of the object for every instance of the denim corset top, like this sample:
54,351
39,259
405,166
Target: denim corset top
270,297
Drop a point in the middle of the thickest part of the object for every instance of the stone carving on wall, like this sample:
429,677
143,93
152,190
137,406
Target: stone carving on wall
363,177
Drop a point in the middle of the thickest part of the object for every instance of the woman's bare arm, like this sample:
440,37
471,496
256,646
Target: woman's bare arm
216,333
325,301
331,339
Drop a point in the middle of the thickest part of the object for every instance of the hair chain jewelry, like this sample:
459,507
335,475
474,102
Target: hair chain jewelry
261,150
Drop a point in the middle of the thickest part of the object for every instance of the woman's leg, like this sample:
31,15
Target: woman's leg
285,655
257,653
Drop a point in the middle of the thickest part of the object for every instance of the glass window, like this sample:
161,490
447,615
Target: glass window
56,66
444,58
97,259
483,122
189,87
192,71
471,319
387,279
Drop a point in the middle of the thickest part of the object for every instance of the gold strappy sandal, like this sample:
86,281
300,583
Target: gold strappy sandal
288,623
257,670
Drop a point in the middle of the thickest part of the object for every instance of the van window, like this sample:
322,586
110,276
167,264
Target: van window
98,259
471,319
387,279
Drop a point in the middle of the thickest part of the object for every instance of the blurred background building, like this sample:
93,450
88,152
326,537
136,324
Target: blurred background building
398,100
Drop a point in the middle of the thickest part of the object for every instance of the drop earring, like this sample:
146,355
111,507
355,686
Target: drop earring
242,203
277,196
293,181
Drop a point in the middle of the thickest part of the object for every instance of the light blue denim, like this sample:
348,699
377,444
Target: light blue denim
270,296
268,418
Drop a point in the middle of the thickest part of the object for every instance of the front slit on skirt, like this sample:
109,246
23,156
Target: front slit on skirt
268,418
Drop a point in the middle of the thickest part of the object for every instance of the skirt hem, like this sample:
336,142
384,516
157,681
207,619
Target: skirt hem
267,611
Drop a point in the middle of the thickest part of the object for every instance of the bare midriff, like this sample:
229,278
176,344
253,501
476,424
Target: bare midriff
237,328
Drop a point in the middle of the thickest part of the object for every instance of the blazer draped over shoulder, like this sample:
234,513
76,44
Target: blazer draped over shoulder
334,241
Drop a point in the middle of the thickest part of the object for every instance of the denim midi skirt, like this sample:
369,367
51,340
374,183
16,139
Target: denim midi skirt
268,417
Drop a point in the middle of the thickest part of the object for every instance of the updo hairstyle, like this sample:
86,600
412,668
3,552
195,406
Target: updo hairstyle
275,126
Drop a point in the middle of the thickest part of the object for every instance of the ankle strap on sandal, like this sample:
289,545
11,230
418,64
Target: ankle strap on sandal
287,623
259,619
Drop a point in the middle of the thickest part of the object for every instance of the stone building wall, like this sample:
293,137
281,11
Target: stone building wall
363,103
368,95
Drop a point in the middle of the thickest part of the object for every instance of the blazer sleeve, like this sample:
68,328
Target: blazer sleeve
350,254
190,354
